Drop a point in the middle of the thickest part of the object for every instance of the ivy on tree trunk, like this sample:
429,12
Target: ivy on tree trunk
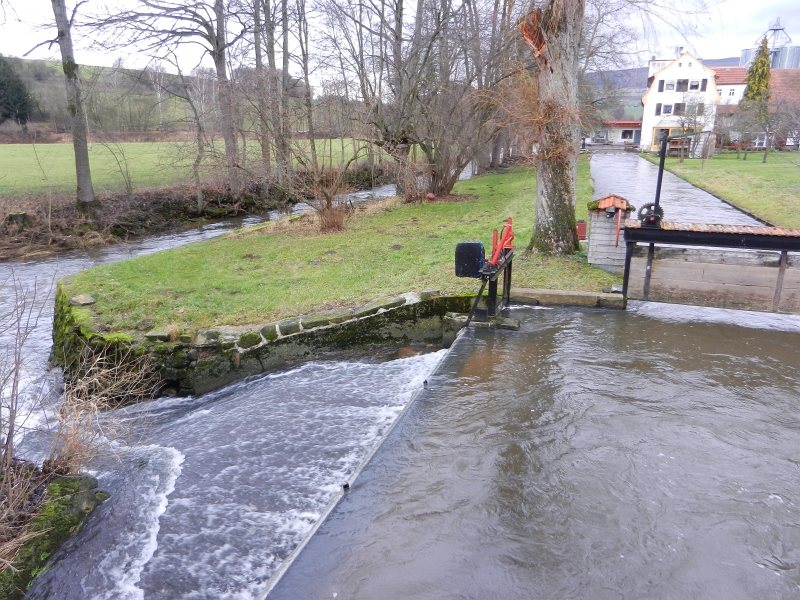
80,129
553,34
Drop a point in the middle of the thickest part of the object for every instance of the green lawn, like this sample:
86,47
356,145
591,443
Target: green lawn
283,269
770,191
36,170
27,169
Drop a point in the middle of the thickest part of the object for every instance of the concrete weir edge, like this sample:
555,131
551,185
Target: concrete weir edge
208,359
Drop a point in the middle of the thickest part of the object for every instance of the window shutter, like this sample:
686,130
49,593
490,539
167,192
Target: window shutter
658,109
660,85
703,85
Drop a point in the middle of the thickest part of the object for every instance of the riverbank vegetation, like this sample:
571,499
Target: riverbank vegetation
288,267
41,505
768,191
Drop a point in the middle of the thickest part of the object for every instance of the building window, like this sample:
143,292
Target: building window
680,65
680,108
732,92
704,85
719,91
701,108
694,85
690,64
627,134
660,85
667,109
683,85
658,109
669,86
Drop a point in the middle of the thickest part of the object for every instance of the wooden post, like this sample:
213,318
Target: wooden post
779,284
627,273
648,271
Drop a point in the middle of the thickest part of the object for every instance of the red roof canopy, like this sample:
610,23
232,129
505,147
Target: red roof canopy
622,123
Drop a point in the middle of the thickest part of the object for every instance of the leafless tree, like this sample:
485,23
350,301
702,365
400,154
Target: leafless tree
159,26
77,115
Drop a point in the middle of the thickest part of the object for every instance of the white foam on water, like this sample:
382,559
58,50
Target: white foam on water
681,313
124,562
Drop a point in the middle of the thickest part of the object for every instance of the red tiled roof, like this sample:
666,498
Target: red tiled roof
785,84
616,201
730,75
622,123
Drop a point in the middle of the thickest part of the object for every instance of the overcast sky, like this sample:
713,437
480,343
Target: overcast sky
726,29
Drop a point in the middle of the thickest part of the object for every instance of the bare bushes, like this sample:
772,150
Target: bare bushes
106,377
413,180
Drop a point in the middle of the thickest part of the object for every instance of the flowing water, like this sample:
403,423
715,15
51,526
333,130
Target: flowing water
634,179
592,454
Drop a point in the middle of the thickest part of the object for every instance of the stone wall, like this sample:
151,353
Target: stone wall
208,359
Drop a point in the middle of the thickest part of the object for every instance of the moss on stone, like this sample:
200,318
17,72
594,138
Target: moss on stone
69,500
249,339
270,332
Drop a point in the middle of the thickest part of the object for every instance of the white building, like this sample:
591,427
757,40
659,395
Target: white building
681,99
731,84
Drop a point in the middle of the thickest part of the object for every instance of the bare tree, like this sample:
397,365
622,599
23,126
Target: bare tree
80,130
159,26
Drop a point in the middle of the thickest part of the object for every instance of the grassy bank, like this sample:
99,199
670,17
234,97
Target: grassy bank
770,192
289,268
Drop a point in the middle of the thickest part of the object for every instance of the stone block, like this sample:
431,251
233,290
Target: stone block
374,307
289,326
270,332
315,321
249,339
81,300
428,294
157,335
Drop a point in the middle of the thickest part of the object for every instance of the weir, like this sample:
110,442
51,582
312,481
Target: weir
720,265
503,474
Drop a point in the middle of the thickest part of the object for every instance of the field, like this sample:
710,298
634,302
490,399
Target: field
28,170
289,268
770,191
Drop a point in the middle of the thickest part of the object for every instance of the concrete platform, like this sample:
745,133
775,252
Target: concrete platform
566,298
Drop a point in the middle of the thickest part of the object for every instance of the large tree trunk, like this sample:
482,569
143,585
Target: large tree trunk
554,35
80,130
225,99
261,90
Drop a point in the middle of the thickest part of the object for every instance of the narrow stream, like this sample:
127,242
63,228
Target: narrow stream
634,179
550,442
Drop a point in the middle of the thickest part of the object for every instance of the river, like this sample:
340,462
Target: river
531,461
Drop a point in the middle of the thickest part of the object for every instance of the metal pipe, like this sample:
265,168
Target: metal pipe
661,167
